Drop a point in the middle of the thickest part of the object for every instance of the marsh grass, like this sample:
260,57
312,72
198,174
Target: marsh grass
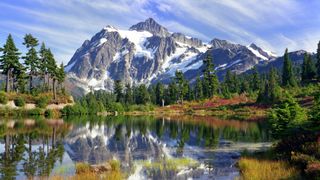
173,164
259,169
84,172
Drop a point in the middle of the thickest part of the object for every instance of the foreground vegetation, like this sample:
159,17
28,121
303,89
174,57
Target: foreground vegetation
257,169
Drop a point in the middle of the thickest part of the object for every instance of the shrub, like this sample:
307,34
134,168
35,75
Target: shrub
49,113
35,111
42,101
3,98
115,107
19,101
74,110
286,117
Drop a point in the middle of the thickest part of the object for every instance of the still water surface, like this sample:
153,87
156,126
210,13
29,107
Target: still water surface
146,147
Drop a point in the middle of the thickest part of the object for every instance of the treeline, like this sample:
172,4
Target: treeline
267,88
36,71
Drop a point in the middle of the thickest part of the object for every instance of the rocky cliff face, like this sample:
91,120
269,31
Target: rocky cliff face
148,52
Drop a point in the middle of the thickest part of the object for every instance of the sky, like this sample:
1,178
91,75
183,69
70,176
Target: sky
65,24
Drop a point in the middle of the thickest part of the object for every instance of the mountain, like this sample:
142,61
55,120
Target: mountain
148,53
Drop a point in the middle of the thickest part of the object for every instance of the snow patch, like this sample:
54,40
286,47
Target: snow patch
256,53
168,61
225,66
138,38
110,29
102,41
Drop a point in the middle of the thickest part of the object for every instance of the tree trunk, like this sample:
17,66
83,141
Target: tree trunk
30,83
48,78
8,81
54,89
44,82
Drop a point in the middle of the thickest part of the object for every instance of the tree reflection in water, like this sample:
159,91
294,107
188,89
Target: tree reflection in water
31,145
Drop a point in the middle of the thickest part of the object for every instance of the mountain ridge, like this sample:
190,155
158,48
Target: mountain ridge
148,53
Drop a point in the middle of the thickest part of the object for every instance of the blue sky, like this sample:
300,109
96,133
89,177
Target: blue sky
64,24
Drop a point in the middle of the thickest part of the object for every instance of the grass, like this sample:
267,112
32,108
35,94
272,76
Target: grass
239,107
29,98
85,172
258,169
173,164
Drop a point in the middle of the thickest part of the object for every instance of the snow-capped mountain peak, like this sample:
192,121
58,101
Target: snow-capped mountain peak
148,53
263,54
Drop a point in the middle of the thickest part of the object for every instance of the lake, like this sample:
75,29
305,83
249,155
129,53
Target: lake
146,147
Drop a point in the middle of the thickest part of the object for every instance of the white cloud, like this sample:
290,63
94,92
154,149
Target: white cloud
65,24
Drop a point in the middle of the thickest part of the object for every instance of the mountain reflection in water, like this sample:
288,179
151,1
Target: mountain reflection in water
45,147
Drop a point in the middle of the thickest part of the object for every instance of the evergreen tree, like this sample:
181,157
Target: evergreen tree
152,93
315,115
182,85
61,75
318,62
231,82
143,96
53,71
271,91
288,78
172,93
286,117
128,96
43,65
308,69
244,86
255,81
210,80
160,94
190,95
198,89
9,61
118,90
31,59
21,78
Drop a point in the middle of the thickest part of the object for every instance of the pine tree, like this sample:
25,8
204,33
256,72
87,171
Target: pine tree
172,93
128,96
198,89
182,85
31,58
288,78
160,94
43,65
210,80
255,82
9,61
318,62
53,72
190,95
231,82
61,75
244,85
21,78
118,90
271,92
308,69
143,95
